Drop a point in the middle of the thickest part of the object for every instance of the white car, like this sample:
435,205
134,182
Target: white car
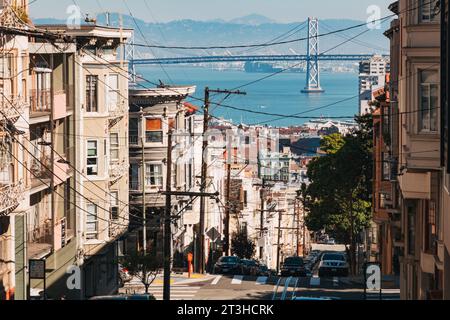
333,264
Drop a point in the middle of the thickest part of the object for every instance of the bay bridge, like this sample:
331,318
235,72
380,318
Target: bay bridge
312,58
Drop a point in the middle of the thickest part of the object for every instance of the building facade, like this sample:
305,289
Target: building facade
153,112
371,77
415,144
14,113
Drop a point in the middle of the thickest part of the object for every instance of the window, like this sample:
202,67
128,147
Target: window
114,205
411,210
430,226
245,198
429,11
386,166
153,175
91,222
114,146
153,130
429,101
92,158
91,93
134,176
134,131
113,91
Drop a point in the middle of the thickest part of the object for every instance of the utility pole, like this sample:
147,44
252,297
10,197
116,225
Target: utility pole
167,220
261,221
280,213
144,205
297,216
226,244
201,238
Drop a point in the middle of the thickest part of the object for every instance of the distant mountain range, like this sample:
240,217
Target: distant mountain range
250,29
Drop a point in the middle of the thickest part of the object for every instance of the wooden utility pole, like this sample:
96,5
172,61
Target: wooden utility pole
226,231
280,215
167,220
144,205
297,216
201,238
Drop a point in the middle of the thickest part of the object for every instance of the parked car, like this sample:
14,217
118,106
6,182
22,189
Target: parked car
264,270
333,264
331,241
293,266
124,276
228,265
250,267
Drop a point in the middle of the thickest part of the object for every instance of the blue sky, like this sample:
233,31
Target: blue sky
167,10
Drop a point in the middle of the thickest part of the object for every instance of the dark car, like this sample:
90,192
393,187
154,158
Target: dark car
251,267
264,271
333,264
293,266
228,265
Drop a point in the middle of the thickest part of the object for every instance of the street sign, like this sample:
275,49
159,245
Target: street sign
36,269
213,234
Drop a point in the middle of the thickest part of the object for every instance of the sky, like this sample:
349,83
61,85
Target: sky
167,10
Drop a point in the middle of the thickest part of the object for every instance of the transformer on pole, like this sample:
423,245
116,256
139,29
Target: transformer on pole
312,63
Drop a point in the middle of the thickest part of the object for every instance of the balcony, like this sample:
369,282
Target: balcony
116,113
116,230
9,14
10,197
117,171
40,101
41,174
40,240
13,108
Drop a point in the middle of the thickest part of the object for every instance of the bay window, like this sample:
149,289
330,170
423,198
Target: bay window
429,101
114,205
91,93
153,130
114,146
153,175
92,158
91,222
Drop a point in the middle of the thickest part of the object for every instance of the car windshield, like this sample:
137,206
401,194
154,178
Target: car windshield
229,259
293,261
333,256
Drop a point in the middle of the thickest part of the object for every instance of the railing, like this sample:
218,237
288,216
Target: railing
40,240
13,108
118,170
10,196
117,110
10,15
40,100
41,234
39,168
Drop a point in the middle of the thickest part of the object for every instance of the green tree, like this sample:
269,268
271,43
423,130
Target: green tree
338,198
242,246
145,267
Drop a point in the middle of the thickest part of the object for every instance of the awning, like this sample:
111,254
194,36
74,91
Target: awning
415,185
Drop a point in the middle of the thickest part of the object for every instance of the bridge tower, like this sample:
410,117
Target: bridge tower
312,60
129,55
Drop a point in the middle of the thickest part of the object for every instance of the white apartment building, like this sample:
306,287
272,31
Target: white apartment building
372,74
